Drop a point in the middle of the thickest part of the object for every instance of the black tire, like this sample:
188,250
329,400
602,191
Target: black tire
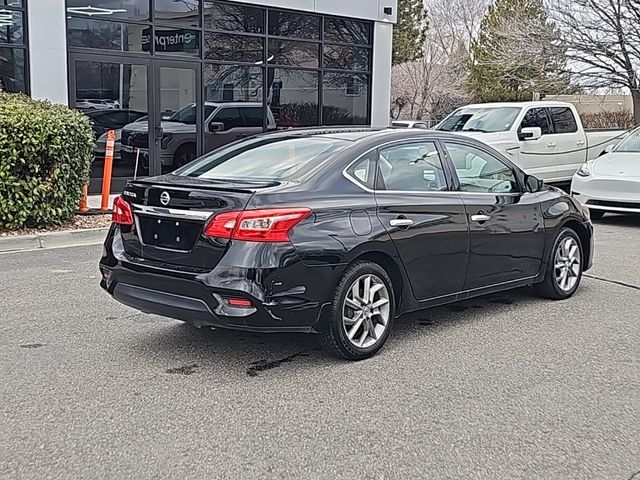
596,214
550,287
334,338
184,154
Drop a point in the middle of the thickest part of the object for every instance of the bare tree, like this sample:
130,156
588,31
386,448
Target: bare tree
603,43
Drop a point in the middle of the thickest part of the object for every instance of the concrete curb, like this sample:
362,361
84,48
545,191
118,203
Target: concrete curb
66,238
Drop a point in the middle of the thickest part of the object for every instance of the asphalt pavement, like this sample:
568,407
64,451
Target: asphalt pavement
504,387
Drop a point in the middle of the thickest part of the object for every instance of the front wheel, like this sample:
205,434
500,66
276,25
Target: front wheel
362,313
564,269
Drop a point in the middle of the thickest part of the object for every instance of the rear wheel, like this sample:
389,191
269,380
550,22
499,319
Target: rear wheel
564,269
596,214
362,312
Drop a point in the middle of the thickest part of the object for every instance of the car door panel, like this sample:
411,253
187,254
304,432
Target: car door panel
538,157
506,228
425,221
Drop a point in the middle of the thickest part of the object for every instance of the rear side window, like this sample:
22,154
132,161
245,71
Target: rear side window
412,167
264,159
363,171
252,116
563,120
537,117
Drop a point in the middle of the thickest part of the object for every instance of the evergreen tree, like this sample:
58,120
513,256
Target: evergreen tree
409,32
517,54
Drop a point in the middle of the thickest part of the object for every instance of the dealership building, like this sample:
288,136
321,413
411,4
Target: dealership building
177,78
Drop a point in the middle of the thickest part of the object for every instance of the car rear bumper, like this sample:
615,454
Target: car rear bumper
197,299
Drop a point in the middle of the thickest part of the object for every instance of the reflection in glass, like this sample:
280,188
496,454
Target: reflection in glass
285,24
346,99
11,30
232,83
110,9
173,41
347,58
103,35
12,70
293,53
12,3
293,97
185,12
233,18
347,31
114,97
223,46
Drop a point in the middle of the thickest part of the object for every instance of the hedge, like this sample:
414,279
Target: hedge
46,152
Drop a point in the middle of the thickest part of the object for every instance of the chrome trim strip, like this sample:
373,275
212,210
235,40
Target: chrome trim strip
171,212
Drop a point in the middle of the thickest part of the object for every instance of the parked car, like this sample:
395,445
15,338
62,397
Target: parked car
224,123
97,104
101,142
611,183
104,120
410,124
544,138
338,232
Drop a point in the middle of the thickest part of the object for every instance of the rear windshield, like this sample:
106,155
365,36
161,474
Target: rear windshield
499,119
264,159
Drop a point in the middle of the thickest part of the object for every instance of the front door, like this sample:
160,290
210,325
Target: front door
177,123
425,220
538,157
505,224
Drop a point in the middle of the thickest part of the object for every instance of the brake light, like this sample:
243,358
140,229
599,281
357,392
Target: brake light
121,214
264,225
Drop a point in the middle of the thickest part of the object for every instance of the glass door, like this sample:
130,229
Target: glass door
178,119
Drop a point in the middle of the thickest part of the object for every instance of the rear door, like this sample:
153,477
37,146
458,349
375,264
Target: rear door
505,225
571,143
538,157
425,219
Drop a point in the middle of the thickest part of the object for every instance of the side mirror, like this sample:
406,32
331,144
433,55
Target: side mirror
609,149
216,127
530,133
533,184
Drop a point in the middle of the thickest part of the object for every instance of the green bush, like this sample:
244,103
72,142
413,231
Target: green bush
45,156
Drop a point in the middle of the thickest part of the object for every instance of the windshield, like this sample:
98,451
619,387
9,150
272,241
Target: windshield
499,119
264,159
187,115
631,143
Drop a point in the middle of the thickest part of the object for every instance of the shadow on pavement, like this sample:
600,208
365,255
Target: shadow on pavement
618,220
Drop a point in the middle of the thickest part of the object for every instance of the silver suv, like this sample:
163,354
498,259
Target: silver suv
224,123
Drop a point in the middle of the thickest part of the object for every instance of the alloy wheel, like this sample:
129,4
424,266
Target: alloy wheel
567,264
365,311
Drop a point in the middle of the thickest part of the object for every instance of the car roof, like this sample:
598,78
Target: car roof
234,104
368,134
541,104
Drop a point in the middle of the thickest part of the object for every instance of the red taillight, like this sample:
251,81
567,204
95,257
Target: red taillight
238,302
122,214
265,225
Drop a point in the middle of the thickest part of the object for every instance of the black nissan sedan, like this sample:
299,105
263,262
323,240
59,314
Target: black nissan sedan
338,232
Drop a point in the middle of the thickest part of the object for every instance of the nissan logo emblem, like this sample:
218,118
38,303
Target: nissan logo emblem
165,198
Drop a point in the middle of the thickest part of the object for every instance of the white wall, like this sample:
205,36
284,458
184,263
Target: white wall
381,81
48,50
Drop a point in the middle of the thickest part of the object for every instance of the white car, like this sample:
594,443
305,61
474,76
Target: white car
611,183
410,124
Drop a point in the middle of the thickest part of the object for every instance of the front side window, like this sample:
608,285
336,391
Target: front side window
413,167
482,120
264,159
631,143
537,117
230,117
563,120
479,171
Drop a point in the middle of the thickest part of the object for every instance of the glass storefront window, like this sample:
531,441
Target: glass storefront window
293,97
233,18
347,58
232,83
293,53
137,10
182,12
12,70
173,41
11,27
236,48
341,30
114,97
345,99
103,35
299,25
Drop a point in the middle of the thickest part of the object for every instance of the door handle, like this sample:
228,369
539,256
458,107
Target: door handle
401,222
480,217
551,144
580,142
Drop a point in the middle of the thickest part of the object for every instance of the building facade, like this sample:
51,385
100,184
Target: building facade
177,78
